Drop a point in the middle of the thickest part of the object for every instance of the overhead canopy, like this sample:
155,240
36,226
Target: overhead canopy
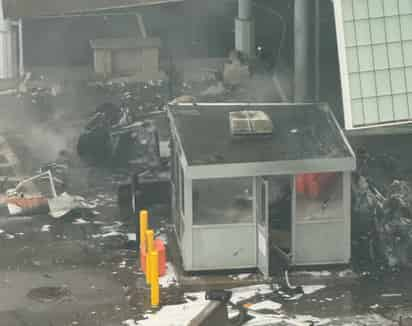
51,8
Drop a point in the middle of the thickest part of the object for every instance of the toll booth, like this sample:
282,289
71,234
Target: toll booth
253,182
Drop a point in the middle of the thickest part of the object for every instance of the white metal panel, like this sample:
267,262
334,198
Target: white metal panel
321,226
224,246
320,243
374,42
263,226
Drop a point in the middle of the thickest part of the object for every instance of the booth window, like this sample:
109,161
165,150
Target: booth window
319,197
222,201
182,190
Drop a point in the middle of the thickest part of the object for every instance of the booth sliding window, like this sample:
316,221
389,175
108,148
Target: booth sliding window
319,197
178,183
223,201
180,200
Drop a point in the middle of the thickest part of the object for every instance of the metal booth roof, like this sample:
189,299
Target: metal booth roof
305,138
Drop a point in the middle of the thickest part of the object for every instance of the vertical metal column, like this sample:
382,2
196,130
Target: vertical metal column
302,62
245,9
317,51
245,29
21,48
1,10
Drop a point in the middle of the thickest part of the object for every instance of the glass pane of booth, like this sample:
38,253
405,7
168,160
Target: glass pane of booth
182,190
319,197
223,201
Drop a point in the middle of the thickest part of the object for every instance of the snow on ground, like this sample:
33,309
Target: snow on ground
113,227
345,273
242,276
244,293
298,320
175,315
45,228
163,237
310,289
107,235
305,320
390,295
314,273
131,236
80,221
266,305
170,278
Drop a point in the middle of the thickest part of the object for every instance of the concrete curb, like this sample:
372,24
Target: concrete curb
215,313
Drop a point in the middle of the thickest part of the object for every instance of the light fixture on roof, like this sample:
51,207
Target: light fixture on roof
250,123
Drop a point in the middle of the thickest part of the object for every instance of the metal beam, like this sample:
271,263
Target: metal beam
245,29
302,62
317,51
245,9
21,48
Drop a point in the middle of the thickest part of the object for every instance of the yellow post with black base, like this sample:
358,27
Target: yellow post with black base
149,249
154,281
144,220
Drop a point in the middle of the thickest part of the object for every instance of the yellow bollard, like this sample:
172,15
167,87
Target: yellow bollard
154,282
144,218
149,248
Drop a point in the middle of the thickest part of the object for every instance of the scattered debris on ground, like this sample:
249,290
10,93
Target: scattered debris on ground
382,215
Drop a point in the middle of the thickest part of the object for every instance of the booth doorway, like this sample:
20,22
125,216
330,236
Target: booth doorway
274,223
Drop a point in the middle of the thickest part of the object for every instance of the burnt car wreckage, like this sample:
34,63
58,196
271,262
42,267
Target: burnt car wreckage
113,136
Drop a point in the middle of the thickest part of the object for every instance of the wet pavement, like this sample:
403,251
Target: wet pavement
84,260
82,269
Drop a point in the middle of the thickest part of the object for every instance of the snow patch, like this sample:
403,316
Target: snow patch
309,289
45,228
314,273
389,295
129,322
131,236
345,273
298,320
266,305
163,237
242,276
170,278
244,293
81,221
176,315
107,235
